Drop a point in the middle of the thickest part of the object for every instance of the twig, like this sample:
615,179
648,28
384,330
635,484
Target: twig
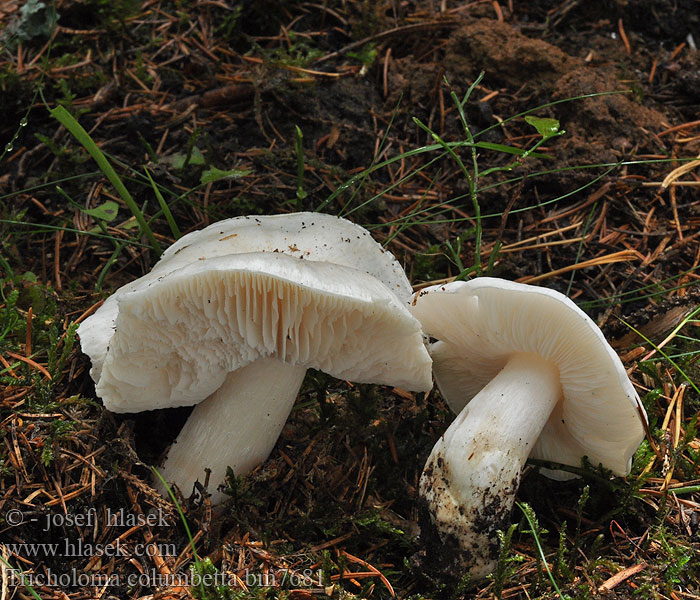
621,576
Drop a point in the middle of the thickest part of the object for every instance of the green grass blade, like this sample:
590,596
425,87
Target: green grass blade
687,489
41,186
76,129
470,181
22,577
678,327
111,261
174,229
360,177
529,111
581,245
45,227
510,150
536,537
299,149
190,538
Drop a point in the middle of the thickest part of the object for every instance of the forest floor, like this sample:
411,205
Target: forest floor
349,107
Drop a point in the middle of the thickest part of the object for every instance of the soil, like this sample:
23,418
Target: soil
182,87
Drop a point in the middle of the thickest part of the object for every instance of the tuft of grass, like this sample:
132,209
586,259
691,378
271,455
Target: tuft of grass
76,129
424,214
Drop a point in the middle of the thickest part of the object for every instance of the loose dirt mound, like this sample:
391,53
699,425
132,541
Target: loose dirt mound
599,130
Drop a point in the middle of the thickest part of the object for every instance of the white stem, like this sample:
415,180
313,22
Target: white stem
237,426
472,475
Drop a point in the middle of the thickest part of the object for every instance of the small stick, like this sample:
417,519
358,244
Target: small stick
621,256
672,184
674,207
8,367
372,569
679,171
678,396
20,58
621,576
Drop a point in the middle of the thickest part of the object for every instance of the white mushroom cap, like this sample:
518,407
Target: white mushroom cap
308,236
481,324
230,319
177,338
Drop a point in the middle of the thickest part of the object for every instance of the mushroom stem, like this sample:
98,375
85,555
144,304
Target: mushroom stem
236,426
472,475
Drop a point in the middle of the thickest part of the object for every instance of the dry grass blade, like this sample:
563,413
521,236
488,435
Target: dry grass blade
678,172
615,257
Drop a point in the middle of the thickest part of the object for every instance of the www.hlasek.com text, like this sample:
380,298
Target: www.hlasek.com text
81,548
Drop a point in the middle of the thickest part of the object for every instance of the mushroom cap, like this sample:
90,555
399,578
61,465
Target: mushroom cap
481,323
305,235
178,336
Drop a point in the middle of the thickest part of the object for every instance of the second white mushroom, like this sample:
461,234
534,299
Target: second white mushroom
530,375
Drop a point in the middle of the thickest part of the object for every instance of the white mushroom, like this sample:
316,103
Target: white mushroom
531,376
234,330
309,236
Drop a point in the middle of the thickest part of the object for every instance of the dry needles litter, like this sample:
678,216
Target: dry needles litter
199,102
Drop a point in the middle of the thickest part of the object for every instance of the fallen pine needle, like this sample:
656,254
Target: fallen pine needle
30,362
375,572
673,183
